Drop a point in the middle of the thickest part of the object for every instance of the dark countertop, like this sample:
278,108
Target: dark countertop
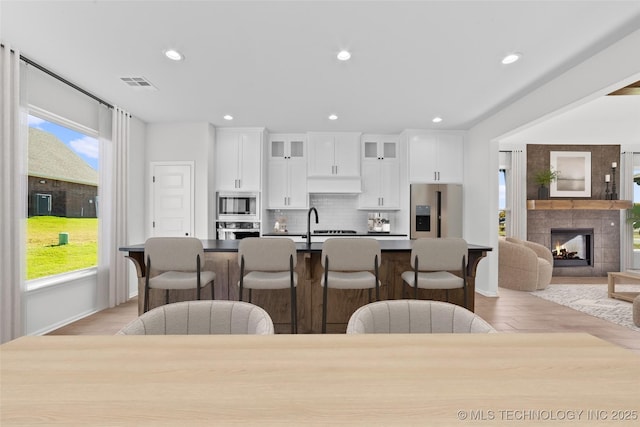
304,234
232,246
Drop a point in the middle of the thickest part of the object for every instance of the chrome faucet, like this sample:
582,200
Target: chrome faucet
312,209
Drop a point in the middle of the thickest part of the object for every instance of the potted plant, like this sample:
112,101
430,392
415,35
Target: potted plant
543,178
633,216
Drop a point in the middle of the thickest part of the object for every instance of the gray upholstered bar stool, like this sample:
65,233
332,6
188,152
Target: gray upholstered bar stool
411,316
348,264
269,263
433,260
175,263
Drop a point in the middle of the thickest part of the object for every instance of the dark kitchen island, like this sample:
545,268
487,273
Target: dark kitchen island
221,256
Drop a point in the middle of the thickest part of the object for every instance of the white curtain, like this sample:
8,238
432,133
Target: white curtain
517,196
114,147
12,196
626,229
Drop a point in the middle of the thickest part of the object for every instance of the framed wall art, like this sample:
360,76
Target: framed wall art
574,173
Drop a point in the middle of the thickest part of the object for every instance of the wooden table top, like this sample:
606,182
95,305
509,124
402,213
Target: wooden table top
430,379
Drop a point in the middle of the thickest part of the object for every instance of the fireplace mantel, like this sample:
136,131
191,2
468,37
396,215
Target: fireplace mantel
571,204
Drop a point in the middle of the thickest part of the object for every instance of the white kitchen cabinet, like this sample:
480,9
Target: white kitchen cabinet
287,186
380,173
239,159
334,154
379,147
436,157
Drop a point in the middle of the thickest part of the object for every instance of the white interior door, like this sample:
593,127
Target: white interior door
172,199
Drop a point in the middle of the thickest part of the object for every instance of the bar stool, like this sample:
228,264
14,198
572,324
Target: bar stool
269,263
175,263
433,260
348,263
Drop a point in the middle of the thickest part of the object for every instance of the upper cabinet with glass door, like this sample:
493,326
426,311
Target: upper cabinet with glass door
380,173
287,184
380,147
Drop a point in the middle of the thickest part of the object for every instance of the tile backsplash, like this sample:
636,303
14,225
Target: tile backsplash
335,212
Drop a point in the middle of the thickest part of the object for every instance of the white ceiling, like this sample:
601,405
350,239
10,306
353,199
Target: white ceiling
273,64
604,120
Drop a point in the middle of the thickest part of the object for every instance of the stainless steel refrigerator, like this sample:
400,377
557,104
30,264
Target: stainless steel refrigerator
436,210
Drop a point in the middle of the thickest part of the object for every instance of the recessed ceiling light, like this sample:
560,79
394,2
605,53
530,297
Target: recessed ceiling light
511,58
436,119
173,55
344,55
333,117
228,117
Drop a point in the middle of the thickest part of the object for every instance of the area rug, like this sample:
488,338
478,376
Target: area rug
593,300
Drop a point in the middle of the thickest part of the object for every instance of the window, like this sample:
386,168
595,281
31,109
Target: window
62,220
502,202
636,207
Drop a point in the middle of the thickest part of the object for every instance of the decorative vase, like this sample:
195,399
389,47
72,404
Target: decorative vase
543,192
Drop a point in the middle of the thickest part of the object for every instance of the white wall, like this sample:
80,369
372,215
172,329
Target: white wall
50,307
615,66
183,142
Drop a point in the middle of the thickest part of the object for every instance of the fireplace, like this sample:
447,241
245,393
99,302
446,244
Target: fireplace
572,247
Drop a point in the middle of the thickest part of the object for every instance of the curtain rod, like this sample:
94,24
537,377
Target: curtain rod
63,80
60,78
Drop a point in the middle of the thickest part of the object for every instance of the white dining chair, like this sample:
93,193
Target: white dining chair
415,316
202,318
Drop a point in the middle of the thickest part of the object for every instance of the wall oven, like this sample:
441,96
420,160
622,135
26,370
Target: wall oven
237,230
238,207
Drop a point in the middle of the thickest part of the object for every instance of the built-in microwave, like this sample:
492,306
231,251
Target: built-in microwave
238,206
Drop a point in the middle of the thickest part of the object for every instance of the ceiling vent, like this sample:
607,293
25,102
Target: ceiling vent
138,83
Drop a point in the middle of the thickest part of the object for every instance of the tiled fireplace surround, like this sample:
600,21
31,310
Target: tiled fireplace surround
605,223
606,237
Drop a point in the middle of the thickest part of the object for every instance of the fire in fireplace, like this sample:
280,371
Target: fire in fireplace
572,247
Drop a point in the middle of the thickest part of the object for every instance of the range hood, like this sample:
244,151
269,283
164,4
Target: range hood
331,185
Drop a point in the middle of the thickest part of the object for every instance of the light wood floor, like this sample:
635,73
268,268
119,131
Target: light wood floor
511,312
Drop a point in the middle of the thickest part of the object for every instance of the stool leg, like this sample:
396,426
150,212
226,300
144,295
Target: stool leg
324,309
146,285
324,295
294,314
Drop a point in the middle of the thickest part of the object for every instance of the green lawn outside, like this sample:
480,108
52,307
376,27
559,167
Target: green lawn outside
45,257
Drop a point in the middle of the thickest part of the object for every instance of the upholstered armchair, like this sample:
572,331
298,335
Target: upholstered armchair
523,265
